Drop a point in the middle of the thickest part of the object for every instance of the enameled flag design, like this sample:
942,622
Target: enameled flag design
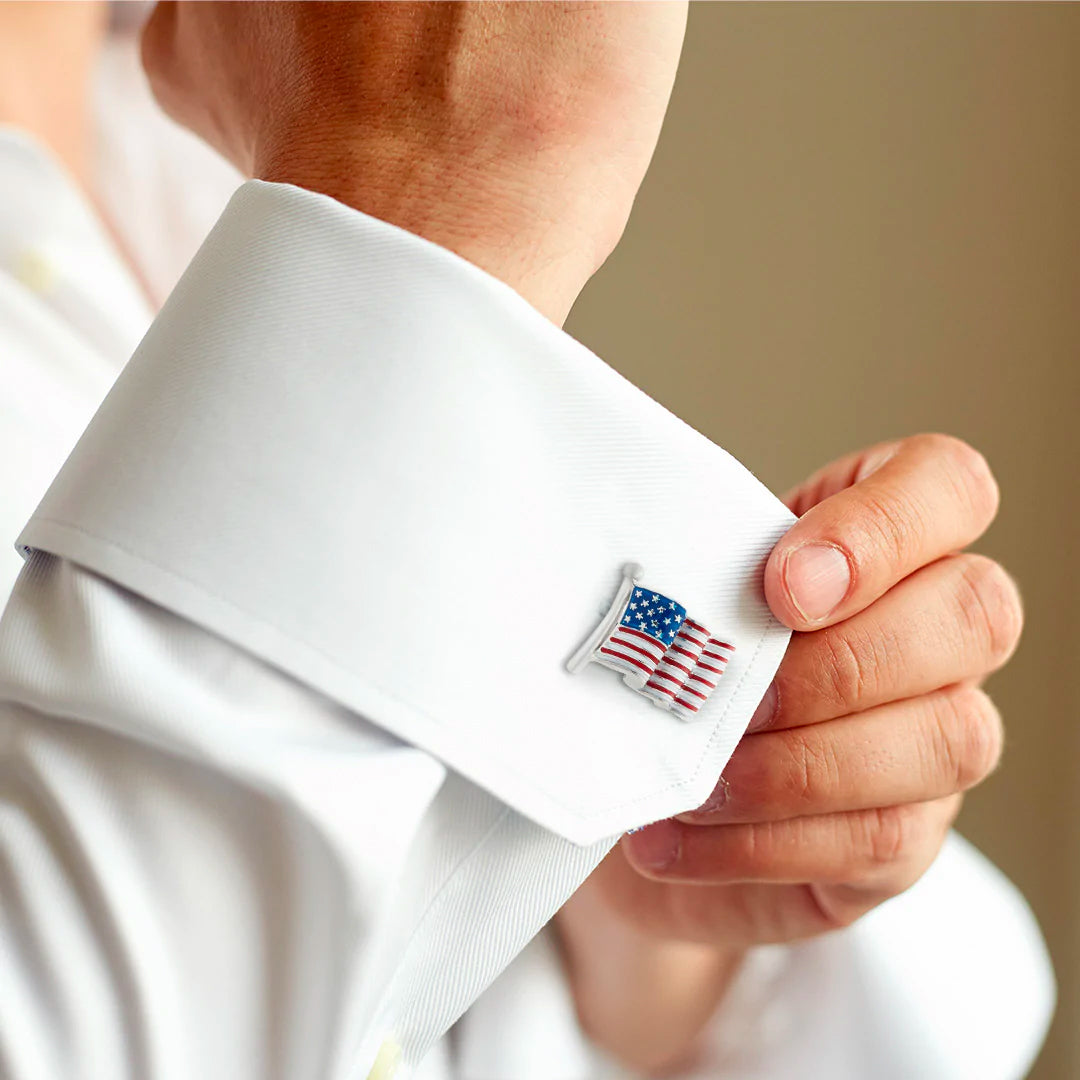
661,651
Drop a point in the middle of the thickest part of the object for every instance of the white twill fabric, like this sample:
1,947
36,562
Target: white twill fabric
402,485
259,817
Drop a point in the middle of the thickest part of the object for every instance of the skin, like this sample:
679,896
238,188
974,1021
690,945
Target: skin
514,134
47,53
517,136
843,792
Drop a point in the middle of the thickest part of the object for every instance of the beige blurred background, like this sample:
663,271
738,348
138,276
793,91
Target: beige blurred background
863,220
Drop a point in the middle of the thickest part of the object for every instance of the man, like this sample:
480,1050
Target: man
293,767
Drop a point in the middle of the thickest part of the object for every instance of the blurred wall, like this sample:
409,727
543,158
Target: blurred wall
862,221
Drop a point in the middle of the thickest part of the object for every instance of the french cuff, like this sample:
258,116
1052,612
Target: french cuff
372,465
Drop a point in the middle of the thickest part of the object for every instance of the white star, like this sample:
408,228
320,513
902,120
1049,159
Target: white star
656,596
671,604
654,623
626,619
633,606
637,592
641,625
667,622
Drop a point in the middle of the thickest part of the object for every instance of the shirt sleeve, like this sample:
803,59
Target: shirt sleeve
292,762
947,981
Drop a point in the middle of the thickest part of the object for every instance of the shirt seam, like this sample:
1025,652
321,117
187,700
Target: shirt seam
409,946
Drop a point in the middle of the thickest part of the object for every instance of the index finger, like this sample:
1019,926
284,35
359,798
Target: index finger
933,496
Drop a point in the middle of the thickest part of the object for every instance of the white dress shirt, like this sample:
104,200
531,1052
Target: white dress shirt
293,771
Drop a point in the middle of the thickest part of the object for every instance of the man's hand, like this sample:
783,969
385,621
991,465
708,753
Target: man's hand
514,134
842,793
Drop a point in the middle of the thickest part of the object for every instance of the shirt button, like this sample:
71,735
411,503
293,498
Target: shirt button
35,271
387,1061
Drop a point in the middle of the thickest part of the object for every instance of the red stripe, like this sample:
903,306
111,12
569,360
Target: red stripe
628,659
636,648
686,704
696,693
709,667
663,689
721,644
665,675
714,656
690,637
675,663
637,633
697,626
685,652
699,678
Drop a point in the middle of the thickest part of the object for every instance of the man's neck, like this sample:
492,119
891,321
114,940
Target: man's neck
47,56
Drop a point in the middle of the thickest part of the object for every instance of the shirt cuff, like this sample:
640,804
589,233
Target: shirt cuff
369,463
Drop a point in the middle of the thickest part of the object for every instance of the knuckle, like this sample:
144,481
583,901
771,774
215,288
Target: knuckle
891,848
892,524
991,607
746,852
846,668
837,907
812,769
972,737
749,849
891,833
969,471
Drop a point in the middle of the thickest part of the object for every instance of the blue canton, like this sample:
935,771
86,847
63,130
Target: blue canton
658,616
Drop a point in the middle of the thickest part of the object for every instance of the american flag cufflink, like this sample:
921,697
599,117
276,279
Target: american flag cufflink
660,651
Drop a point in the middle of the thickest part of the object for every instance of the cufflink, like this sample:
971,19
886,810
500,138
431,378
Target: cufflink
660,651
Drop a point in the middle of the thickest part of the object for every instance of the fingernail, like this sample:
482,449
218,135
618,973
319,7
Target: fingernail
717,799
656,846
766,711
817,577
